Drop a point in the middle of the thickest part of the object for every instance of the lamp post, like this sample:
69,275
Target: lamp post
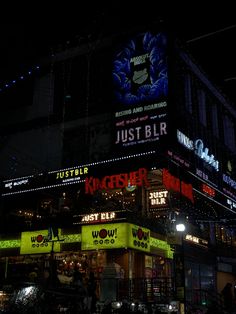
53,232
179,268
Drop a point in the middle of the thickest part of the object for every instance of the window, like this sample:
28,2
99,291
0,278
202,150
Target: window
229,132
188,95
202,107
214,120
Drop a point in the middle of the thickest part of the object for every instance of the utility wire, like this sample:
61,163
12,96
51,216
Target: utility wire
211,34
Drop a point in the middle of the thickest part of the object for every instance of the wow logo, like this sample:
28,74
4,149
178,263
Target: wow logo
140,238
104,236
39,241
117,235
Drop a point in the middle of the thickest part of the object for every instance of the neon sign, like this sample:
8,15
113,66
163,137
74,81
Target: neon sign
15,183
97,217
208,190
71,173
198,147
158,198
228,180
117,181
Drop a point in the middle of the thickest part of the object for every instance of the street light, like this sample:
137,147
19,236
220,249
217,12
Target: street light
180,227
179,267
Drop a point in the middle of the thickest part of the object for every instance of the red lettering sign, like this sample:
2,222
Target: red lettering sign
117,181
208,190
173,183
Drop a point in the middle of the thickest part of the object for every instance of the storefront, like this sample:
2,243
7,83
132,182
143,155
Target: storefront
126,259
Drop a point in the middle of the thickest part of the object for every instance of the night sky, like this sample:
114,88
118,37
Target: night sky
209,33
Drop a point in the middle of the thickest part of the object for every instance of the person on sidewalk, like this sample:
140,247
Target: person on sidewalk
227,294
91,290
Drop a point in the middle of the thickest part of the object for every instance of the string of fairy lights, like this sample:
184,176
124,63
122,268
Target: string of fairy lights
107,161
5,86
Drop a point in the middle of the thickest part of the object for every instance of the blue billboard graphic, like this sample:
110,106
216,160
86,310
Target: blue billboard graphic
140,70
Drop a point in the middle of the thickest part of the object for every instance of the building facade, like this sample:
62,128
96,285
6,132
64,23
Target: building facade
124,137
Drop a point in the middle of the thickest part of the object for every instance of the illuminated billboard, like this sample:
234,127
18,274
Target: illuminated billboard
140,78
140,70
113,236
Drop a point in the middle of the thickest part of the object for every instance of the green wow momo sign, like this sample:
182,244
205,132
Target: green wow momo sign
37,242
120,235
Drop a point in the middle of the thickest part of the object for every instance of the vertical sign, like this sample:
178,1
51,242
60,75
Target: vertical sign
140,90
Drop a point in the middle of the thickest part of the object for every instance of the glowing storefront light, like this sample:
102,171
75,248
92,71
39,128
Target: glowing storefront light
9,244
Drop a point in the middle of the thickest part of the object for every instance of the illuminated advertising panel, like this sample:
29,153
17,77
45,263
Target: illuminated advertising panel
138,238
104,236
36,242
45,180
111,236
140,90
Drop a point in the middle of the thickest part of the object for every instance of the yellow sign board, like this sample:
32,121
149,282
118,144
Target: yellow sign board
138,238
36,242
118,235
104,236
